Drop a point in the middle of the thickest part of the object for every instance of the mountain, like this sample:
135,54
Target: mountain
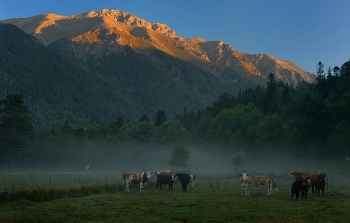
63,85
98,66
106,31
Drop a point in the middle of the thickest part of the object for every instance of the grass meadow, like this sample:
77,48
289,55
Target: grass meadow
100,197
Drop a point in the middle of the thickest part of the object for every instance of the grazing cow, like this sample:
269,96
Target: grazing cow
165,178
245,183
347,158
296,188
140,178
320,185
193,178
88,168
261,180
184,178
313,178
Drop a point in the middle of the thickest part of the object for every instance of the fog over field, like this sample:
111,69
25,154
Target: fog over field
214,160
205,160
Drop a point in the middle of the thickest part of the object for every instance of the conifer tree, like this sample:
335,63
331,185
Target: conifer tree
15,127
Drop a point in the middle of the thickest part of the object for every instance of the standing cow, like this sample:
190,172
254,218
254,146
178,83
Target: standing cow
296,188
245,183
184,178
305,187
320,185
165,178
313,178
140,178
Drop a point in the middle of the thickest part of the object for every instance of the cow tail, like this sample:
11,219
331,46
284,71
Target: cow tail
327,182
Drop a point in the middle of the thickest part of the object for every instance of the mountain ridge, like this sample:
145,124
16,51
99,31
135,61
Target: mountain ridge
108,27
60,84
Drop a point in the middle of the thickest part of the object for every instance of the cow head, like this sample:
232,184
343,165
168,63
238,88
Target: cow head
296,175
150,174
244,177
321,177
305,180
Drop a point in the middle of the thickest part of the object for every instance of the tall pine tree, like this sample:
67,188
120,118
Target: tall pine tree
15,127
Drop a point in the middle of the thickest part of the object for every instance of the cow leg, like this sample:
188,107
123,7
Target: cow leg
246,189
141,187
126,186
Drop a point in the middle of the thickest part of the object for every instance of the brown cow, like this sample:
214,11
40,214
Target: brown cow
261,180
140,178
165,178
313,178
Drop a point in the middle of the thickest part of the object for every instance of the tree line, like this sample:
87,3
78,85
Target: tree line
311,119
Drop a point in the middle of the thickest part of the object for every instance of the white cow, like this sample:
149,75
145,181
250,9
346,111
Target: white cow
245,183
140,178
347,158
88,168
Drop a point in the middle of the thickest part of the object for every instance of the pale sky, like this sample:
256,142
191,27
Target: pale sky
301,31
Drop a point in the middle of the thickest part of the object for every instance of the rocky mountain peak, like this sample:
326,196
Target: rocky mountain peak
109,29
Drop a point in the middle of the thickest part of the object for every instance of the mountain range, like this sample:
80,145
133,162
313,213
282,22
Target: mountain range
138,67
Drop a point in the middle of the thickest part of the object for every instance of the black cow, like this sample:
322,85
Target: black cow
165,178
184,178
296,188
320,185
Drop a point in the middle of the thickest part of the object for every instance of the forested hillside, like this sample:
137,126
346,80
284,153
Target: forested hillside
56,90
64,85
311,120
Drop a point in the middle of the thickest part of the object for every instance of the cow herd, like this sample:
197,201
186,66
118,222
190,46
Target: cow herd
304,181
301,185
164,177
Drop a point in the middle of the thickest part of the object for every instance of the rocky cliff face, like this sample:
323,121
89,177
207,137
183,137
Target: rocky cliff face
106,30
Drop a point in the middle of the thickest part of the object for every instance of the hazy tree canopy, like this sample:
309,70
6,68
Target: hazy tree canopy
270,132
179,156
169,131
238,159
228,121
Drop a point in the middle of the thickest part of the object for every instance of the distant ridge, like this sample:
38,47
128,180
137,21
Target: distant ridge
106,30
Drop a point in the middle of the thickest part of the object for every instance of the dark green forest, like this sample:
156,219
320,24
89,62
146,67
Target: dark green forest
311,119
62,82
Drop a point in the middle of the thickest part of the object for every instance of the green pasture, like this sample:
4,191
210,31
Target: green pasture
100,197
